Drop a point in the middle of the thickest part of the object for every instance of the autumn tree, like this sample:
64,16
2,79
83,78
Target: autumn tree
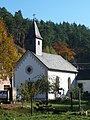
64,50
8,53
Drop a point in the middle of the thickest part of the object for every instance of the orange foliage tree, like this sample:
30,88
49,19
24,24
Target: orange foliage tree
8,53
62,49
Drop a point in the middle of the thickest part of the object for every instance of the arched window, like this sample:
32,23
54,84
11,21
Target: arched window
38,42
57,84
69,82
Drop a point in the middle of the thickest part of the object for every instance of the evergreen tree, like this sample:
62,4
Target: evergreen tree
76,36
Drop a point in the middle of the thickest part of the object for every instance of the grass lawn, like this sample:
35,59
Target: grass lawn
8,115
17,112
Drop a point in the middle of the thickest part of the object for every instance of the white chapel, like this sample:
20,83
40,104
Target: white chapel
35,63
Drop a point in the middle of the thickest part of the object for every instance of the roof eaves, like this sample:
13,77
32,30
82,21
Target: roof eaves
62,70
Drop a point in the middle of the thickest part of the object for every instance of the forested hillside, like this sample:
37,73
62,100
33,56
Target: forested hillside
74,38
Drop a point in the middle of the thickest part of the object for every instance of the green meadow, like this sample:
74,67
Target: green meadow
61,111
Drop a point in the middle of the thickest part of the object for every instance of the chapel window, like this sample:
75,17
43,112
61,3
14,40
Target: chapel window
38,42
57,83
69,82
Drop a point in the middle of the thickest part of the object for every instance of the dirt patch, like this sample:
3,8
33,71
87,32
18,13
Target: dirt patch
8,106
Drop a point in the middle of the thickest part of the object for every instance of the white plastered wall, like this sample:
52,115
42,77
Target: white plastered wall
21,75
4,82
63,78
86,85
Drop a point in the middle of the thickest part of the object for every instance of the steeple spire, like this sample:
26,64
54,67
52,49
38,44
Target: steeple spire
34,43
36,30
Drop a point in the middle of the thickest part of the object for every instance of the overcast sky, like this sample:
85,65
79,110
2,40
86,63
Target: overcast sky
57,11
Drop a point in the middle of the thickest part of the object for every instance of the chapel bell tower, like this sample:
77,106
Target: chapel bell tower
34,43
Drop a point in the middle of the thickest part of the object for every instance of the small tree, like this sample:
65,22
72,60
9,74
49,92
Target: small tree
74,91
31,88
55,86
28,90
44,86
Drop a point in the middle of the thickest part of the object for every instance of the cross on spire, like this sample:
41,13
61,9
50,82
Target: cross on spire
34,16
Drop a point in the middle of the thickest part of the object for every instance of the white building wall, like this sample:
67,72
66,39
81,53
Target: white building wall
38,47
4,82
20,73
86,85
7,82
63,78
